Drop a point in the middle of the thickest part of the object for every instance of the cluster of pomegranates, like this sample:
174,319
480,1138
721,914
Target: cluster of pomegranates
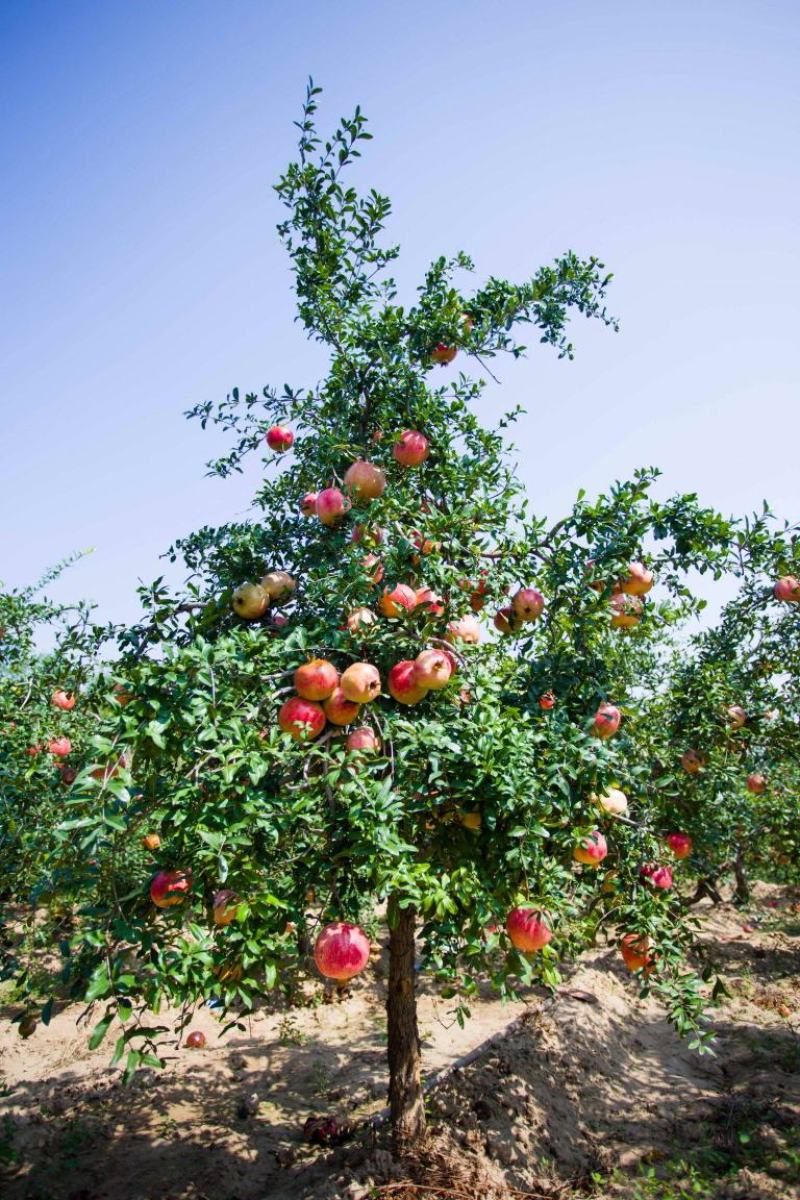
411,679
323,695
363,481
251,600
529,930
60,746
626,602
341,950
693,761
526,605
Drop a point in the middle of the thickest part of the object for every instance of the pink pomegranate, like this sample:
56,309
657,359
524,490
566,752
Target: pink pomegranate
528,929
341,951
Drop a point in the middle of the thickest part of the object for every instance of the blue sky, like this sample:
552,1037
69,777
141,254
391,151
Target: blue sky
140,272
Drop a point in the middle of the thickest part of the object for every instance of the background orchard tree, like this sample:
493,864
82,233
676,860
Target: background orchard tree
729,716
490,676
49,672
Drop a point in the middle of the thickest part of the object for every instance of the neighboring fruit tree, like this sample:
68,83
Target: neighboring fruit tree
397,686
49,657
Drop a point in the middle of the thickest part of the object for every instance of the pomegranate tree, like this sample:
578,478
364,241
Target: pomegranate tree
489,787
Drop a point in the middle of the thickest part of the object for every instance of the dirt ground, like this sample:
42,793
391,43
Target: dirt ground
589,1093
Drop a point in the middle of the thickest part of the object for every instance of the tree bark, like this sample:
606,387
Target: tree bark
406,1104
705,887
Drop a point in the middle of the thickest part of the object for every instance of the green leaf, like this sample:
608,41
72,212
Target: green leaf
99,1032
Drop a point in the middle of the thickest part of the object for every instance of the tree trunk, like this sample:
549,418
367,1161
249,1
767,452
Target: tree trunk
705,887
406,1103
742,893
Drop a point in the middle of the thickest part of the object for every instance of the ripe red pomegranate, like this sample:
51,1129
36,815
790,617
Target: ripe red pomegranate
411,448
308,505
434,669
635,949
658,876
60,747
399,601
528,929
547,701
63,700
606,720
443,354
626,611
316,680
373,568
364,481
196,1040
331,506
404,682
591,850
341,951
787,589
680,844
169,888
527,604
505,621
361,682
360,619
736,715
452,660
638,581
302,719
363,739
466,629
339,710
280,438
431,604
756,783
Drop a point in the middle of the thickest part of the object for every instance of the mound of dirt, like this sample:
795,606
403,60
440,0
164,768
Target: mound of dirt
530,1098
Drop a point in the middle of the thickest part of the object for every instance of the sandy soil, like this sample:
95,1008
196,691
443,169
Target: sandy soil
592,1081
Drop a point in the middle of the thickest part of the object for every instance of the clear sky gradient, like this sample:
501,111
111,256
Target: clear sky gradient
141,273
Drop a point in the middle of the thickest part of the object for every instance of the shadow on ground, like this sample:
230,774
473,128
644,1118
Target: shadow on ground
597,1082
